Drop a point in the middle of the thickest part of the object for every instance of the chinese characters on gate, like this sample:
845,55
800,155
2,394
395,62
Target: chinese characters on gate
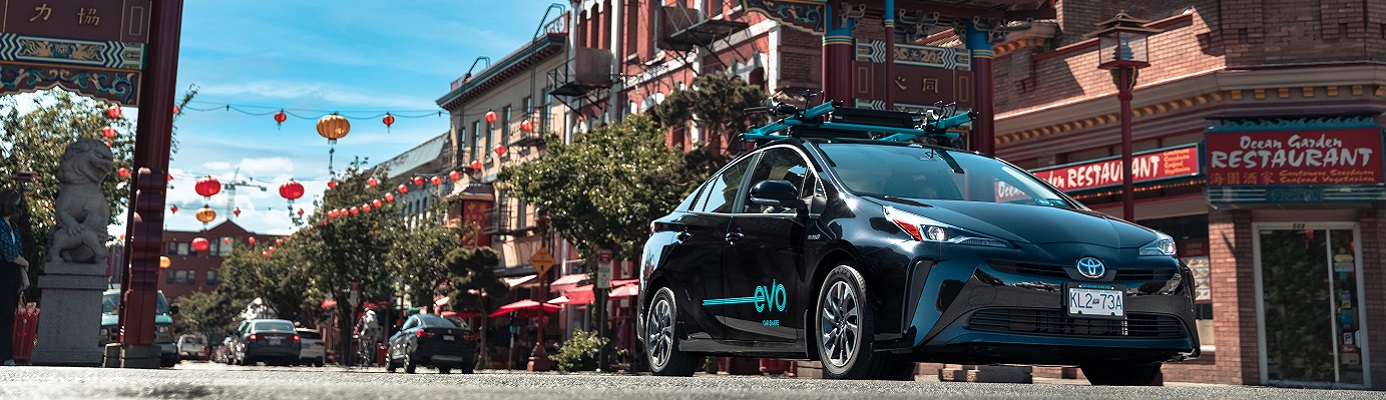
85,15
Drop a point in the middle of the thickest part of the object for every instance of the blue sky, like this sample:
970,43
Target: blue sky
359,58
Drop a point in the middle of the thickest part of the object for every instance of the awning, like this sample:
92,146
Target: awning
525,309
615,283
566,282
625,291
519,280
580,295
560,300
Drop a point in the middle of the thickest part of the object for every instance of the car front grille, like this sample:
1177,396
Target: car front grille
1055,271
1053,322
1144,274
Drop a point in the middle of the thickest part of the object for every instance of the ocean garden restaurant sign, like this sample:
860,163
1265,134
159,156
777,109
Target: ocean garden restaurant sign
92,47
1150,166
1310,165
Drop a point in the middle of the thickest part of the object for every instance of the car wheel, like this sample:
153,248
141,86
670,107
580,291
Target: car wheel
661,339
444,370
1123,375
319,362
845,330
409,365
390,363
468,365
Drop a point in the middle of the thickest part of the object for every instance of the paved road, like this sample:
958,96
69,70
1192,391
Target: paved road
215,381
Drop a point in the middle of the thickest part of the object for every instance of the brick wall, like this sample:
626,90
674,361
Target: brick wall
801,58
1259,32
1373,235
1234,296
1080,17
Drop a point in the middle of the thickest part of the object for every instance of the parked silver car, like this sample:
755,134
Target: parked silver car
312,351
191,347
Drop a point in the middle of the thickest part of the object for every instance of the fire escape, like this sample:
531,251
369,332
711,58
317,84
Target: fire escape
683,29
586,76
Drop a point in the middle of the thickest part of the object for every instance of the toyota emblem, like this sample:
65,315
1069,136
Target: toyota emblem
1091,267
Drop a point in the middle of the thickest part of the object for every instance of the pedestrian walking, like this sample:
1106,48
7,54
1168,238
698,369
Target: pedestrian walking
14,271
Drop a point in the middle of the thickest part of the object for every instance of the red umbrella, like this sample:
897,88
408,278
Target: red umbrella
329,303
525,309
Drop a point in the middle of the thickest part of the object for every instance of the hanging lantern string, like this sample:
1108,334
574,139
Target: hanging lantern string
314,114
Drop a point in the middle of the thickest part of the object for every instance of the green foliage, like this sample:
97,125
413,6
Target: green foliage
602,191
204,312
474,283
579,353
715,102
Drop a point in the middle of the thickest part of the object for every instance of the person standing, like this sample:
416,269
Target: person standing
14,271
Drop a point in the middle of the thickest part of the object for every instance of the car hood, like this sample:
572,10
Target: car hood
1031,223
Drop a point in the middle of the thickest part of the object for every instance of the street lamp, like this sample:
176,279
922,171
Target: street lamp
1122,50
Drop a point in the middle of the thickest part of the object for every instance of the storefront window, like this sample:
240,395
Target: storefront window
1309,284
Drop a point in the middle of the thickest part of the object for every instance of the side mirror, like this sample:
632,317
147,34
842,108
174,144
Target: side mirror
776,193
173,310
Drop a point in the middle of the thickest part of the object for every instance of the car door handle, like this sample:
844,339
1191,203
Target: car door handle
732,237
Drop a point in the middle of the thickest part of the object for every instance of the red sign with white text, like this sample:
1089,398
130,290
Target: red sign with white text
1145,167
1309,157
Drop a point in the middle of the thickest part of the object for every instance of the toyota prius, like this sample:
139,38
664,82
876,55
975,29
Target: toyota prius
870,255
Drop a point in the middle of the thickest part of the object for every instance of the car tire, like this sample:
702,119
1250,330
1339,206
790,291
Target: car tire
661,338
468,365
444,370
1123,375
844,330
319,363
409,365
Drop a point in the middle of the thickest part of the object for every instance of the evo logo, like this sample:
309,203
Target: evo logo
767,298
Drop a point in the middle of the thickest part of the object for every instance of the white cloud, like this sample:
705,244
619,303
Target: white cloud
326,92
217,165
263,166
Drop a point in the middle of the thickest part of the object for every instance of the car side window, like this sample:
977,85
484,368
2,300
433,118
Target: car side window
720,193
780,163
410,324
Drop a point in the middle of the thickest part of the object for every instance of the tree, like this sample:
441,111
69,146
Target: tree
716,103
208,312
602,191
475,285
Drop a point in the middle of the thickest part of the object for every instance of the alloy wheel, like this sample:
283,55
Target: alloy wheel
659,333
839,321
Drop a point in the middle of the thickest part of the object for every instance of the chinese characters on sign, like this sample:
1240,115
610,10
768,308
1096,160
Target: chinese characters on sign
1326,157
96,20
1145,167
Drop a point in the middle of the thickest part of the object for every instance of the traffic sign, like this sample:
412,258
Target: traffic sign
542,261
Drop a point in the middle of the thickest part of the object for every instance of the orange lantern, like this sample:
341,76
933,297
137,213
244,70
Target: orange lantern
164,262
333,127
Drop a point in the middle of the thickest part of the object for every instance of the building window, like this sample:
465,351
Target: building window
522,215
192,277
212,278
185,249
180,277
168,276
476,137
505,125
227,245
490,135
172,248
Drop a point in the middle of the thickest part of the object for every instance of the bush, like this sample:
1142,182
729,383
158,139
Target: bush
579,353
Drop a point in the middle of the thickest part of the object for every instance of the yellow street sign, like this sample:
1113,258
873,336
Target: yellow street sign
542,261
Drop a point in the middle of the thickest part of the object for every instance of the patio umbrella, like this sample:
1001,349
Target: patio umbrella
558,300
329,303
525,309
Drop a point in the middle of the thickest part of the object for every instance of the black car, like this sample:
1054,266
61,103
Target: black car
273,341
430,340
869,255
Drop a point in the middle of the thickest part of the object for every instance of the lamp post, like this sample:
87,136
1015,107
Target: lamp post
1122,50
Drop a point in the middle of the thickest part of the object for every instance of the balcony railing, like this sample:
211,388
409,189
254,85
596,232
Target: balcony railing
589,69
543,123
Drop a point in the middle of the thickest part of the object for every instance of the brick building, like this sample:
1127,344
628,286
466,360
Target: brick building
191,271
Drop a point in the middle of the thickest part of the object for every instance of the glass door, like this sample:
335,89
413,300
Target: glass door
1310,305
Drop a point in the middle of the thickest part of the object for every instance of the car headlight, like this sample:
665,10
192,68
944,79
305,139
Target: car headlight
1161,246
928,230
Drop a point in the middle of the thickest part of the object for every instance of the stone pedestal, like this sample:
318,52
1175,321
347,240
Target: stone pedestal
133,356
69,326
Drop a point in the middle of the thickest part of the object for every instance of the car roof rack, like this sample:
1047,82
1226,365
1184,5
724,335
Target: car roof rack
832,120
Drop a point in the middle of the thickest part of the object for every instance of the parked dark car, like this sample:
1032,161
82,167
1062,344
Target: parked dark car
432,341
870,255
272,341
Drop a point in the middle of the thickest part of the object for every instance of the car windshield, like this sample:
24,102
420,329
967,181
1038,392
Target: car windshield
433,321
272,326
111,301
309,334
918,172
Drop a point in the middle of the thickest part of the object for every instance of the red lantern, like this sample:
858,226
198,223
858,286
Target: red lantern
109,132
176,110
418,180
200,244
124,172
237,211
500,150
300,212
390,197
264,254
403,189
291,190
278,242
376,203
366,208
437,181
250,240
113,112
371,182
208,187
455,176
332,184
170,177
476,165
324,223
279,118
491,117
333,214
527,126
388,120
174,209
226,240
271,249
355,211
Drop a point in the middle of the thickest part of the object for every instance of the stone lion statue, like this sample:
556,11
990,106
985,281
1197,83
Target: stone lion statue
81,208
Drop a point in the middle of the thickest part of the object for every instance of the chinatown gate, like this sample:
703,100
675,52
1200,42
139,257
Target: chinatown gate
870,59
124,52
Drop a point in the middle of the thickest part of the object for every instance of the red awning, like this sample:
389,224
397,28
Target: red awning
566,282
580,295
615,283
520,280
525,309
560,300
625,291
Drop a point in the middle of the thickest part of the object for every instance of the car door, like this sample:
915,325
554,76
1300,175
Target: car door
694,259
398,343
765,261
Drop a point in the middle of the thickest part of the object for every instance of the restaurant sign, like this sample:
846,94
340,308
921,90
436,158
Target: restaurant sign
1297,157
1149,166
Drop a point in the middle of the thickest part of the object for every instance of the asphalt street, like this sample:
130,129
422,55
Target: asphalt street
216,381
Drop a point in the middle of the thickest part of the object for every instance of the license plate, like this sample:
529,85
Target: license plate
449,338
1096,301
275,341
